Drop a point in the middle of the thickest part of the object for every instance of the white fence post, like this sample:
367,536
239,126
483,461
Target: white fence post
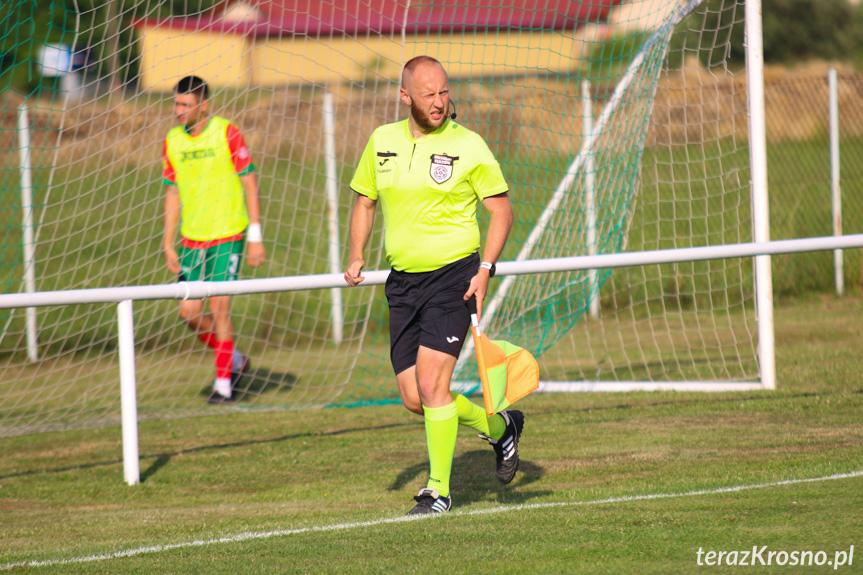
838,258
128,399
590,199
336,311
29,246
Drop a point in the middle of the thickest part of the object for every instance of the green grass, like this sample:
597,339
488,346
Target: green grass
800,206
115,240
113,235
113,217
62,494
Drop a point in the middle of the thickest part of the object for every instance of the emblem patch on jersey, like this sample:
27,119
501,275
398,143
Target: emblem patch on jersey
441,167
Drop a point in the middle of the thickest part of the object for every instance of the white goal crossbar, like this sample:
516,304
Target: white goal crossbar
124,296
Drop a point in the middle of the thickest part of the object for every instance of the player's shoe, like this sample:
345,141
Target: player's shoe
239,369
506,448
430,501
218,399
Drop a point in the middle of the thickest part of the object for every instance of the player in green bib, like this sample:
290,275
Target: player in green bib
212,196
429,173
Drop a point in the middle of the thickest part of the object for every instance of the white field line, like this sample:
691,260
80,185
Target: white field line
405,518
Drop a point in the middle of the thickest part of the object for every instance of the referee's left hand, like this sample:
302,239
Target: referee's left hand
478,288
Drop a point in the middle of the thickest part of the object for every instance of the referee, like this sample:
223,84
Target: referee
428,173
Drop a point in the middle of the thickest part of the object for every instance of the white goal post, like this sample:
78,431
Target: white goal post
582,166
760,203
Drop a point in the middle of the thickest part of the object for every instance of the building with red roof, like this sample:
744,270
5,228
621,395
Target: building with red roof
276,42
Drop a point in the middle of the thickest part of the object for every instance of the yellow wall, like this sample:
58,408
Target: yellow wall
474,55
295,60
281,61
169,54
230,60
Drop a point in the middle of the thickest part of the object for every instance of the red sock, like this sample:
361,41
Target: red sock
208,338
224,357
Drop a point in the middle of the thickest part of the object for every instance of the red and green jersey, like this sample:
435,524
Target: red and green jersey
206,169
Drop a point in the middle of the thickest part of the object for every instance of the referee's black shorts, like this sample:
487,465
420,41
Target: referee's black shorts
428,309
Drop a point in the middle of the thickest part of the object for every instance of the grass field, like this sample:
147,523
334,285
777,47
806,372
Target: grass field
609,483
617,483
105,230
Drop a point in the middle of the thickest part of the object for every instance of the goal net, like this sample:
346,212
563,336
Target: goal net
620,126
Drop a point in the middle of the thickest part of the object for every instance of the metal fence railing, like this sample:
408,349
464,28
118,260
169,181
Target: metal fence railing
799,172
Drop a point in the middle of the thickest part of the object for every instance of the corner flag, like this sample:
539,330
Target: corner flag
507,372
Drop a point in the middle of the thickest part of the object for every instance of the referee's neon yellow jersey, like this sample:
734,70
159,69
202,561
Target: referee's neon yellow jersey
428,189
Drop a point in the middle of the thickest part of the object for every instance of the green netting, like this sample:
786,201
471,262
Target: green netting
666,164
27,29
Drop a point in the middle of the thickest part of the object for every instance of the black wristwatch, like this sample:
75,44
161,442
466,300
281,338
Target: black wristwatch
490,267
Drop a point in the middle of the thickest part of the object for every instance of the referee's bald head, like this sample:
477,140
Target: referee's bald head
416,62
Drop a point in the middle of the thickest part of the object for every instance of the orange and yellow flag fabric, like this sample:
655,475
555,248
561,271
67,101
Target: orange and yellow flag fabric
507,372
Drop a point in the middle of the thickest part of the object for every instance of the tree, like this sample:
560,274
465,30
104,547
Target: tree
796,30
793,31
100,28
25,25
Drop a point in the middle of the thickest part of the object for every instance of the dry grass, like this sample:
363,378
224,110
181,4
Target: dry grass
534,114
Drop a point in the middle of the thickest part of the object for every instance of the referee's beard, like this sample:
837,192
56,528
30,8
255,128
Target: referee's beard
424,120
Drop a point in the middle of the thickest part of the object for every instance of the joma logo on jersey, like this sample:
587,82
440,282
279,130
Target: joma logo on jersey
386,157
198,154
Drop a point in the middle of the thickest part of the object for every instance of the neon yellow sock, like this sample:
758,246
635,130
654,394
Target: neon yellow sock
473,416
441,431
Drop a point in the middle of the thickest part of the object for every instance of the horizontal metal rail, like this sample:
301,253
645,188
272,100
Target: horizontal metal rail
200,290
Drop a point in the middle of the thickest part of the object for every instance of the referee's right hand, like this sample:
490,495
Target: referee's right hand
354,273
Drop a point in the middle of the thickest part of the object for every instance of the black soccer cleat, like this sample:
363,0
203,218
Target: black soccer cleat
430,501
506,448
218,399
